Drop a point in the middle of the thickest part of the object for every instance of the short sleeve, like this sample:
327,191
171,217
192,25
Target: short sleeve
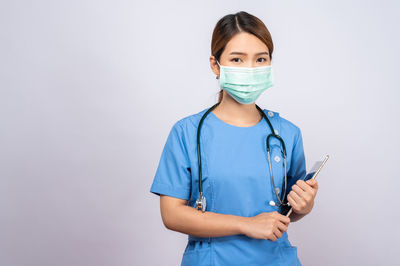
173,176
298,163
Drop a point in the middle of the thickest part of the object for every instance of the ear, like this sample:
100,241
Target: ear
214,66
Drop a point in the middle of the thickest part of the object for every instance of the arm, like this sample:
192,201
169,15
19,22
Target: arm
294,217
178,216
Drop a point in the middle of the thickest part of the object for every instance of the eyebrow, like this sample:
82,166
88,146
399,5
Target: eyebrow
240,53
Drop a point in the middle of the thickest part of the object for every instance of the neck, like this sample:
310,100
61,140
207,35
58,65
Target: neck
243,114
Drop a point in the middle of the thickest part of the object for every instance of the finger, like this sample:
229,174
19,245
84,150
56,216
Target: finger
299,191
305,186
282,227
292,202
274,236
310,190
299,200
277,233
314,184
284,219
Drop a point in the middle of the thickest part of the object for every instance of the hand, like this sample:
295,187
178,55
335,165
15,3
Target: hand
266,225
302,195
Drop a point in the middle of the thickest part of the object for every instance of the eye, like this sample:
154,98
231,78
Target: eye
233,59
265,60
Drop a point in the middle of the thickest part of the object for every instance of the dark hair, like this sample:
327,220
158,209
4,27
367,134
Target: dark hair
230,25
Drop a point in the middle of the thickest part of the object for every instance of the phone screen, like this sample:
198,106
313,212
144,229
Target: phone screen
314,169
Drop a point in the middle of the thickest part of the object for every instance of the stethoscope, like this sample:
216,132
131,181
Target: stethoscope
201,201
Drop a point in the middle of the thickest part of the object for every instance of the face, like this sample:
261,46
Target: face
243,50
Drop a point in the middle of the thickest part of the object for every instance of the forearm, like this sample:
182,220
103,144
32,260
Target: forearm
188,220
294,217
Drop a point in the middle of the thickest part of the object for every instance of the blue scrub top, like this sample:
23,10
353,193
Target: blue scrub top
236,180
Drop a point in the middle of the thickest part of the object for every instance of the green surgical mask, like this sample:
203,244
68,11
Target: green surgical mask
245,84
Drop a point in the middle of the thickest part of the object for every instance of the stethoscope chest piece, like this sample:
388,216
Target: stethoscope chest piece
201,203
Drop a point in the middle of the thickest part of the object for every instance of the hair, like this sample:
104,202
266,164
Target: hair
232,24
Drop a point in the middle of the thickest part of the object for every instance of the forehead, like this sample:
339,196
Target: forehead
246,43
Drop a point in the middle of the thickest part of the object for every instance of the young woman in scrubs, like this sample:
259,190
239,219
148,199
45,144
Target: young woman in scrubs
239,225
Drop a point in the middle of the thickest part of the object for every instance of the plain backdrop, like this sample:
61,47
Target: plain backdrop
89,91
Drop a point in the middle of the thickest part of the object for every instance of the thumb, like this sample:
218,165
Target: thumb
311,182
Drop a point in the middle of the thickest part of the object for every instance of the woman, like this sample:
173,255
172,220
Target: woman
240,222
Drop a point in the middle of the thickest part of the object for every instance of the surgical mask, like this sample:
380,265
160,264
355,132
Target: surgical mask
245,84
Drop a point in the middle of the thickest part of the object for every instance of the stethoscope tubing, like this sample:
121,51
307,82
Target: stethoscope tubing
201,201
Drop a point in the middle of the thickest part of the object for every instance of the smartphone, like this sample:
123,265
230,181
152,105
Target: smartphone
312,174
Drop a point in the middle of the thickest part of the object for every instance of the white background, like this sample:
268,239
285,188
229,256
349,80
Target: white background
90,89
